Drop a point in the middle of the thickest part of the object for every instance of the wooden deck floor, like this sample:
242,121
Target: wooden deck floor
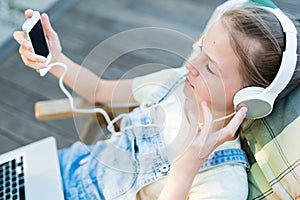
82,27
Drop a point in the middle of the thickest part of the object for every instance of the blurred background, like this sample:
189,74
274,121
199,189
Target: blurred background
82,26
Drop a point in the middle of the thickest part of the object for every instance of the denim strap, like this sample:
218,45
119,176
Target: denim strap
169,86
226,156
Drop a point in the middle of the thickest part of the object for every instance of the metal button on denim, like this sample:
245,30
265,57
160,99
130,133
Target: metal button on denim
164,169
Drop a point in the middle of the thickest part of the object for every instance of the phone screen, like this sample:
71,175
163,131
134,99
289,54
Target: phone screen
38,40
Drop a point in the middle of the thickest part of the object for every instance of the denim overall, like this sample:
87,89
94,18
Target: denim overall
119,167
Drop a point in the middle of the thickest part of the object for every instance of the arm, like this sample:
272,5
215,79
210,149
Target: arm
202,144
80,79
90,86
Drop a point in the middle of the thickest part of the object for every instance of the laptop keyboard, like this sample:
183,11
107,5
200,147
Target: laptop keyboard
12,180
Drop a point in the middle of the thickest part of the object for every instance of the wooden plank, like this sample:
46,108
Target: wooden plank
17,75
18,122
23,102
25,130
187,17
7,144
58,109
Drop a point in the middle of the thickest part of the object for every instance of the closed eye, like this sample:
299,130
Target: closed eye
208,69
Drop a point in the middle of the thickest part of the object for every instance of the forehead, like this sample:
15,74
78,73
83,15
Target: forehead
217,46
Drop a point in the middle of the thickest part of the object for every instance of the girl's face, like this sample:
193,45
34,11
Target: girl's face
213,75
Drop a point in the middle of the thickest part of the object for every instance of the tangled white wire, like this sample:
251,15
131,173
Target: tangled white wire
110,123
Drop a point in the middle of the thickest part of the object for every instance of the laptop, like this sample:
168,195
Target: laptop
31,172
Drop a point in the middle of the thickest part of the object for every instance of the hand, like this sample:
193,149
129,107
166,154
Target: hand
185,168
29,58
204,141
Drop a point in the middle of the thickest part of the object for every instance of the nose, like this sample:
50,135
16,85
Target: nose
190,66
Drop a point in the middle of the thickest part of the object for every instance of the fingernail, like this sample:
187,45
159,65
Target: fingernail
245,109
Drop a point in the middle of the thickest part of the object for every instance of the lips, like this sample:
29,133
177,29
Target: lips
187,81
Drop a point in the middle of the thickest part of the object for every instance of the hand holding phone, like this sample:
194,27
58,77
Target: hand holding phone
35,34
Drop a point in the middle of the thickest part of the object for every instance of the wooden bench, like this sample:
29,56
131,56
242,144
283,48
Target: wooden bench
61,109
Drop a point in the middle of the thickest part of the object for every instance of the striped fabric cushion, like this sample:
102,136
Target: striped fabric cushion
272,145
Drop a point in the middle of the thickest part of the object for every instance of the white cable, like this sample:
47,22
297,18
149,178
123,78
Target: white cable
110,125
140,125
225,117
79,110
220,118
110,122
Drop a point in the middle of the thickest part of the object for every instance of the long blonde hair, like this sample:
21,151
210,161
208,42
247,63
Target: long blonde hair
258,40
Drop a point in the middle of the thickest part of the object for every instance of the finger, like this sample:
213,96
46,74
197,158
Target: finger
32,64
228,132
192,119
208,122
28,13
206,113
193,131
19,36
237,120
224,134
47,25
31,56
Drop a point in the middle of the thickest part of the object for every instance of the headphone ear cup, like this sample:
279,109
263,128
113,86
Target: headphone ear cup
253,98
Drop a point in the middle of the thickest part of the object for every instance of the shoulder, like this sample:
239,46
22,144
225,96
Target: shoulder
223,182
144,86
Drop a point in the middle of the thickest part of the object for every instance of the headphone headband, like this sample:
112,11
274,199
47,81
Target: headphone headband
289,56
259,100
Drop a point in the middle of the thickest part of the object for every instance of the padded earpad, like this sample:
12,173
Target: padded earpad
253,98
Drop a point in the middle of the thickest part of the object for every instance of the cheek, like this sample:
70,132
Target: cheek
203,92
223,94
231,90
203,95
216,93
217,96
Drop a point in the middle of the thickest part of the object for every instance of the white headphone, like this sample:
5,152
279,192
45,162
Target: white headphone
259,100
